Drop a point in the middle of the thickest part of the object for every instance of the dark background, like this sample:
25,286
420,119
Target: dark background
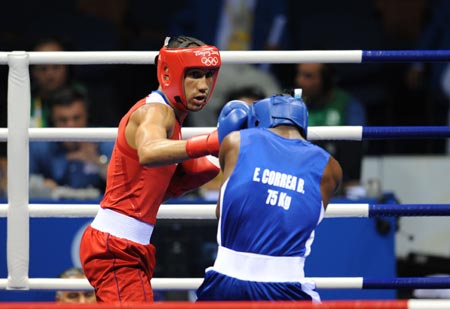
91,25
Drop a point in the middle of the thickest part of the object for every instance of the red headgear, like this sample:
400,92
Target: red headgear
173,63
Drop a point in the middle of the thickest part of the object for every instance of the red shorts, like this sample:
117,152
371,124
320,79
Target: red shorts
120,270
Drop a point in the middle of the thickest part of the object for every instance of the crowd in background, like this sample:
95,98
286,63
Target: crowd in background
389,94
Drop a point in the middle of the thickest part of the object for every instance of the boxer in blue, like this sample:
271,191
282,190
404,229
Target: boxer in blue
276,186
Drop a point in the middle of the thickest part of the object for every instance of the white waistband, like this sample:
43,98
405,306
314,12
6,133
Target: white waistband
256,267
122,226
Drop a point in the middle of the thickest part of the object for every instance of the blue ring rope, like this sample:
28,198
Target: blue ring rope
405,55
408,210
412,282
405,132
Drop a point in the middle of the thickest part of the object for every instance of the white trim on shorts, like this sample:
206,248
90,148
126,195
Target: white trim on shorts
122,226
258,267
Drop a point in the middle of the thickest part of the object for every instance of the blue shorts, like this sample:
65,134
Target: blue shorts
217,286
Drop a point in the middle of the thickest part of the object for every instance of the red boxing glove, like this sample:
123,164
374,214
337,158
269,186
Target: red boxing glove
190,175
202,145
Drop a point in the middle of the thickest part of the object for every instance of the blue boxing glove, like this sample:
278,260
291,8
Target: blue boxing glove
233,117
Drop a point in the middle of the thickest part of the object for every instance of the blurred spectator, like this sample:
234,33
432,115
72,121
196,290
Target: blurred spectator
330,25
402,21
74,296
76,165
329,105
46,79
435,36
235,25
98,26
101,82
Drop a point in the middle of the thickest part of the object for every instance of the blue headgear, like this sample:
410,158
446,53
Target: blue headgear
279,110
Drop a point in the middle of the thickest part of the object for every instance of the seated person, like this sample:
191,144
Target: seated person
330,105
74,296
47,79
78,165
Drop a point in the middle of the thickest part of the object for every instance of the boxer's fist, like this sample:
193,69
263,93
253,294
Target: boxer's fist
233,117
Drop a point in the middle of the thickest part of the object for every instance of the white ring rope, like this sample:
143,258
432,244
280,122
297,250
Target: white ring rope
170,211
101,134
176,283
144,57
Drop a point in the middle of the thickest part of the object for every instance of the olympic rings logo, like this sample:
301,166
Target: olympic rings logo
210,61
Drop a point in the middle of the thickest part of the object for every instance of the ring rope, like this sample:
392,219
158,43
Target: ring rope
415,132
355,133
259,56
193,283
207,211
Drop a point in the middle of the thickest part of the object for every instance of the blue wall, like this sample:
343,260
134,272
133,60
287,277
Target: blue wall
353,247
